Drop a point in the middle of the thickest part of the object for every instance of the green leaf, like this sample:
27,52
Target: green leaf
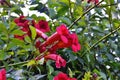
65,20
17,32
52,13
3,28
18,42
33,31
12,26
2,55
50,68
27,39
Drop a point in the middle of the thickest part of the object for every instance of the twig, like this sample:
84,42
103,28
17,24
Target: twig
15,64
84,14
107,5
104,37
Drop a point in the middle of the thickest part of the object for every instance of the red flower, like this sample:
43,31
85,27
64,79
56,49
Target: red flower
75,44
24,26
39,32
37,44
63,76
62,39
61,34
43,26
58,59
72,42
3,74
20,21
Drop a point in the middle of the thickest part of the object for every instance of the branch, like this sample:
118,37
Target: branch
84,14
15,64
100,40
104,37
107,5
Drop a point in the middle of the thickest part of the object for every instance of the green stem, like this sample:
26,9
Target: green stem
107,5
101,39
104,37
80,17
15,64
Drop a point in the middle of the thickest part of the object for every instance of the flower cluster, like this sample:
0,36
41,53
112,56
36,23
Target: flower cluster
23,23
3,74
62,38
63,76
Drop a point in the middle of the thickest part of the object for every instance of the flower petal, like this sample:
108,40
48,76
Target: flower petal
64,39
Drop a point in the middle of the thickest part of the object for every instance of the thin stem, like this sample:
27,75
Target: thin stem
15,64
101,39
104,37
107,5
80,17
70,9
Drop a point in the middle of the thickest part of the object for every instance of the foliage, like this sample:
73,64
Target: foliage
97,27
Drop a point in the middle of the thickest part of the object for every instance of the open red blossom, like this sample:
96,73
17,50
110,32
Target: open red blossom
20,21
24,26
58,59
61,34
3,74
25,29
43,26
63,76
72,42
39,32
